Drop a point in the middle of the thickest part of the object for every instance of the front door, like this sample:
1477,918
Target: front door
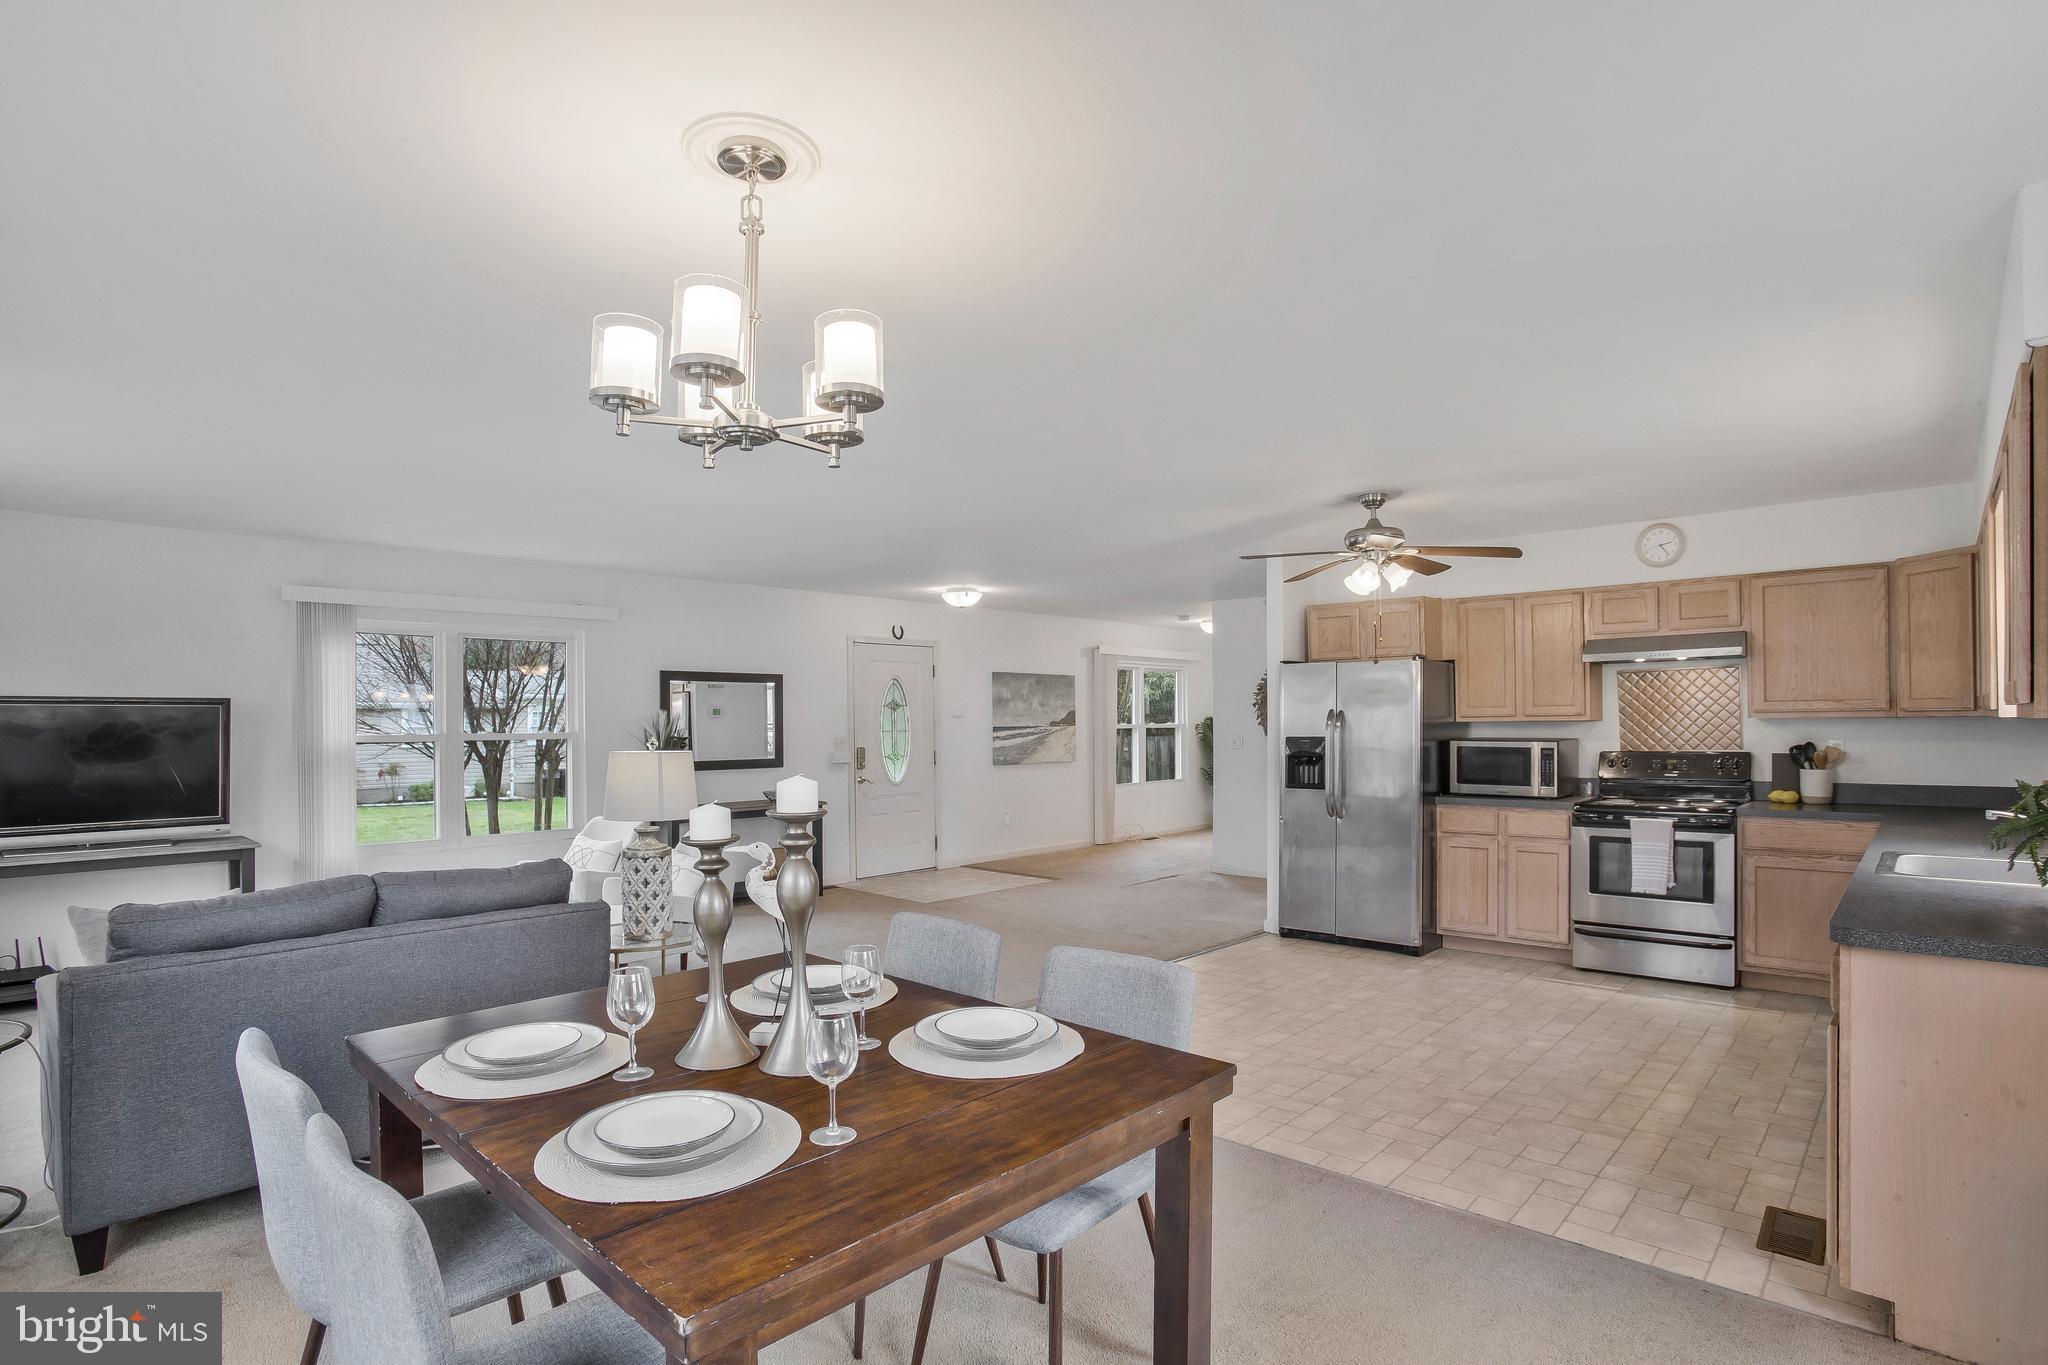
895,760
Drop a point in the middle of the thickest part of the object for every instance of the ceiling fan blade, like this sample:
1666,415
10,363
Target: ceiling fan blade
1311,573
1410,560
1292,554
1473,551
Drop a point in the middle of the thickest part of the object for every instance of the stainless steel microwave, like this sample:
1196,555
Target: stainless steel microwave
1510,767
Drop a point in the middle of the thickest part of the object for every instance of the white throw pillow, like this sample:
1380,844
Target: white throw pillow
594,855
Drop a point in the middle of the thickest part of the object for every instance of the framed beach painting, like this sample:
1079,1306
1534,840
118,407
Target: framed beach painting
1032,718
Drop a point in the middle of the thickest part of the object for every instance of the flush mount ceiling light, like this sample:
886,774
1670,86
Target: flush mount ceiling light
710,348
1208,625
961,597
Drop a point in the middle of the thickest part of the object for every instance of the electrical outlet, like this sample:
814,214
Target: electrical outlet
1237,741
1006,819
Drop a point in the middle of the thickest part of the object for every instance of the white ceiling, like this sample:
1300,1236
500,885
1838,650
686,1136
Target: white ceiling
1162,282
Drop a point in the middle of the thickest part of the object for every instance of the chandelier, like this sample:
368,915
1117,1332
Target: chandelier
710,347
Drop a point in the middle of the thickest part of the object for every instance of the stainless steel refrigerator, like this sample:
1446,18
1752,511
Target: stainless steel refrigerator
1354,825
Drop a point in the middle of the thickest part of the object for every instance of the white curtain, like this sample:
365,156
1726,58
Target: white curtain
325,724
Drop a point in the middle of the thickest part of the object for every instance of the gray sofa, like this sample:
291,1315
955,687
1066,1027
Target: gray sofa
141,1110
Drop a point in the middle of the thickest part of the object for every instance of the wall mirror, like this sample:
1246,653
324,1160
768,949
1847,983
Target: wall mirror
728,720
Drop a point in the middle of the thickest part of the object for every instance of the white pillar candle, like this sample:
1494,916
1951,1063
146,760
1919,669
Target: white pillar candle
793,794
711,821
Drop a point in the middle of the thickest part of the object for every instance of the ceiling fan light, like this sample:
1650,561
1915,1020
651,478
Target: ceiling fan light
704,331
1396,575
961,597
625,362
1363,579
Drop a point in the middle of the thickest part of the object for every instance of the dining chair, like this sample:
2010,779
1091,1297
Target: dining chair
955,956
389,1302
482,1249
1139,997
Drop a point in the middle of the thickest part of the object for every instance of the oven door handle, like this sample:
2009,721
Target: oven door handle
1712,945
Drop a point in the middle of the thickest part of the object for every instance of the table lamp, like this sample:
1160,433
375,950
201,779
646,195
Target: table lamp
648,786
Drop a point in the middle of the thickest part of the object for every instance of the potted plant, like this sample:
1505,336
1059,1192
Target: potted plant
2025,829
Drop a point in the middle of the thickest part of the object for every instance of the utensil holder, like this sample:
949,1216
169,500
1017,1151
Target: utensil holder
796,892
1817,786
719,1043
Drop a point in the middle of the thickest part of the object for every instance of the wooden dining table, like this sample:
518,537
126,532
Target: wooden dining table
938,1164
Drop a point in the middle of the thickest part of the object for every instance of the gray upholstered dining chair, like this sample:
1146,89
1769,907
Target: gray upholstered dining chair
388,1302
951,955
481,1248
1138,997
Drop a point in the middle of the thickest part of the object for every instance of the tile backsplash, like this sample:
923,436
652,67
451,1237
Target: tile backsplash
1680,708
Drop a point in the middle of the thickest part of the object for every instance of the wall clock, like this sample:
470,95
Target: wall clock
1660,544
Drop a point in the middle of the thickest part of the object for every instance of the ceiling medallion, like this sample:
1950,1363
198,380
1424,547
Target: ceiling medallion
711,350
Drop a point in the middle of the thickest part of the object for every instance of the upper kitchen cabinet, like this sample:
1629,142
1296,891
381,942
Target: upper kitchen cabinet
1485,675
1934,637
1333,630
1820,642
2015,550
1612,613
1700,604
1553,681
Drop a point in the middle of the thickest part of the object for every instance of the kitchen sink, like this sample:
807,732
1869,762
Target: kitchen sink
1952,868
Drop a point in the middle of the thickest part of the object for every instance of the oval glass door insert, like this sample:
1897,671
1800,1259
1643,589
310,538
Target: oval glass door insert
895,731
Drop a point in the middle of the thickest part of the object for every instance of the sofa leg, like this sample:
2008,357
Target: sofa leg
316,1332
90,1250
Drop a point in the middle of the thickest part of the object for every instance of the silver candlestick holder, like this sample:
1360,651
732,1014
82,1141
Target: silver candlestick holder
719,1042
796,892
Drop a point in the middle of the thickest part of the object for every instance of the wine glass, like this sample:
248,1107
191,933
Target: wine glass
833,1053
629,1001
863,984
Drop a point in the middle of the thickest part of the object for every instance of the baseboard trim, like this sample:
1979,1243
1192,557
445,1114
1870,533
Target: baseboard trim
1502,948
1230,870
1787,985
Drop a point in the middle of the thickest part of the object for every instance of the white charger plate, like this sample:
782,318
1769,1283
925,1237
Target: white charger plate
1046,1030
522,1044
985,1026
667,1124
583,1143
823,978
456,1054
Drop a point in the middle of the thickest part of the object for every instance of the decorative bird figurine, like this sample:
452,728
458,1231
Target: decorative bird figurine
761,876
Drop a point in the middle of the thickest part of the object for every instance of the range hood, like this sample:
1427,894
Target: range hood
1648,649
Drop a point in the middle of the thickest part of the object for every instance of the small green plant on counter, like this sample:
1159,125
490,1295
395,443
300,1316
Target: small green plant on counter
2026,829
1205,735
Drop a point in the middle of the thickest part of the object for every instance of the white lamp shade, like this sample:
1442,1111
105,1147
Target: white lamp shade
710,315
848,353
1396,575
1363,579
649,784
625,362
690,404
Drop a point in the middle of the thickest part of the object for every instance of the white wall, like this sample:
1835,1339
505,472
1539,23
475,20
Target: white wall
97,608
1240,811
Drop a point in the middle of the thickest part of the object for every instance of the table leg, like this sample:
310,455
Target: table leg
395,1154
244,878
1180,1282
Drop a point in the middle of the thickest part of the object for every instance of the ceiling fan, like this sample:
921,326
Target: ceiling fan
1383,555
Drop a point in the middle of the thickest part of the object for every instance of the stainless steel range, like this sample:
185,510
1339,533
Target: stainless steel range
1687,933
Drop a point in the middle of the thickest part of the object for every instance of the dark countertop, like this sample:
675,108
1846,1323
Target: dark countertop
1512,802
1991,922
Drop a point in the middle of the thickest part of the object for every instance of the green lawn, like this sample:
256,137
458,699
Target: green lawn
415,820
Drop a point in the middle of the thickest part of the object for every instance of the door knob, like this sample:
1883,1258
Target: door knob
861,781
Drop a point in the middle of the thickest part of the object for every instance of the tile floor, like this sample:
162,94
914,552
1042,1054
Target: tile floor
1648,1119
930,885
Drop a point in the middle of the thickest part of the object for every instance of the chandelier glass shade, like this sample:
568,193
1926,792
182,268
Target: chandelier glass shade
710,351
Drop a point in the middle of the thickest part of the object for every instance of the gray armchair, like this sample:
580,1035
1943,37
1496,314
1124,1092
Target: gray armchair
141,1107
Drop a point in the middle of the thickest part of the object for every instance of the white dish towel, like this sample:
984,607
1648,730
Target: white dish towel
1652,856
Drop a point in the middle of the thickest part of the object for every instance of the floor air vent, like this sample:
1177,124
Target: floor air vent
1798,1235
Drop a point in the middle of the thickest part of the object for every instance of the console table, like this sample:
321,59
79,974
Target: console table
234,849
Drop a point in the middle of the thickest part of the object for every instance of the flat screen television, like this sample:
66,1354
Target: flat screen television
89,765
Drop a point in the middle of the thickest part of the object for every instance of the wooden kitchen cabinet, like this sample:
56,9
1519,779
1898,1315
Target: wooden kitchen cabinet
1553,681
2014,547
1616,612
1403,627
1700,604
1536,891
1793,875
1934,637
1333,631
1468,884
1485,676
1820,642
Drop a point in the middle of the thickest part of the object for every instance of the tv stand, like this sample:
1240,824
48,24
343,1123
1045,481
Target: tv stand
236,850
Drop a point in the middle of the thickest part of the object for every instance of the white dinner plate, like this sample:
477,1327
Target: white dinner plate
456,1054
523,1044
1047,1029
584,1144
664,1125
985,1026
826,980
